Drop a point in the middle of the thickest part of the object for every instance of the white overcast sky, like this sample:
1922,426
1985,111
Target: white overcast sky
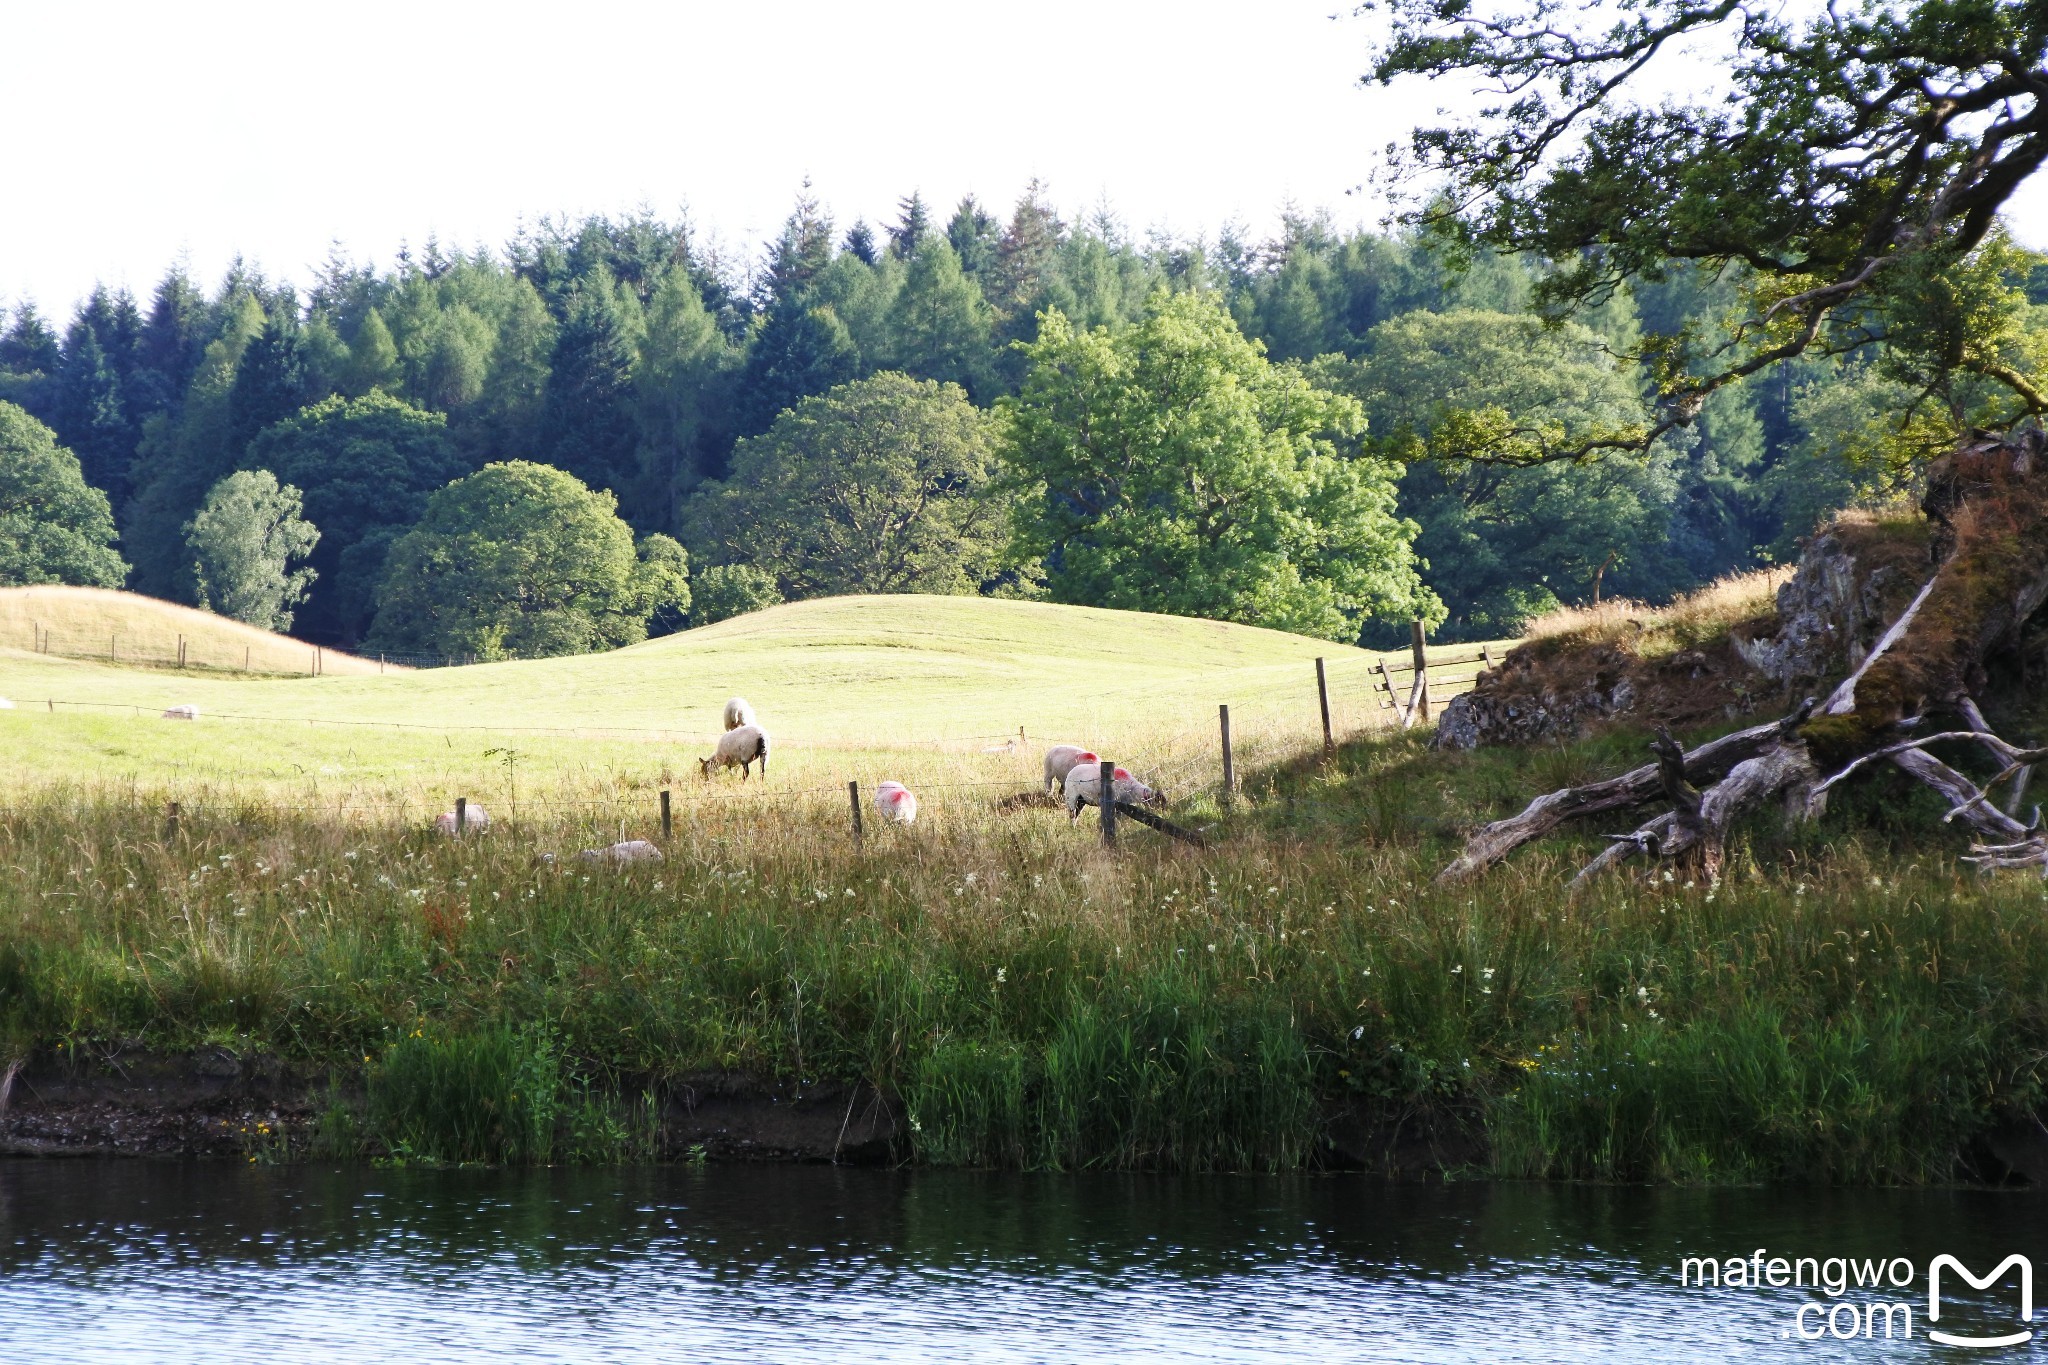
142,133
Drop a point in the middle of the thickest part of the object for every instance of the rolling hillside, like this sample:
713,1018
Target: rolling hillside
853,674
126,627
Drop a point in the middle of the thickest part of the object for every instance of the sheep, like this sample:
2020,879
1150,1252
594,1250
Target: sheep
631,851
6,705
1060,760
737,713
896,802
186,712
1084,788
474,817
738,749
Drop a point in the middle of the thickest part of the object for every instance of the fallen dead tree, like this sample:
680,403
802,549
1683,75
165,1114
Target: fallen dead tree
1989,501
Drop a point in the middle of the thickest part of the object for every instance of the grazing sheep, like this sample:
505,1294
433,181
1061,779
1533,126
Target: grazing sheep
631,851
185,712
738,749
897,803
474,817
1084,788
1060,760
737,713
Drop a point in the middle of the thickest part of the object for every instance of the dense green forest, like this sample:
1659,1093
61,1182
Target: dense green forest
1323,432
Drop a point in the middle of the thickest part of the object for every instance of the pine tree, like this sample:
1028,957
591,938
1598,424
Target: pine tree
586,422
372,358
172,339
270,382
942,323
29,357
1025,253
799,352
973,235
684,387
913,225
91,417
860,243
803,249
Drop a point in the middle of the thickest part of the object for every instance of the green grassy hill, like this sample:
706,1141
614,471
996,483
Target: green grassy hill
832,679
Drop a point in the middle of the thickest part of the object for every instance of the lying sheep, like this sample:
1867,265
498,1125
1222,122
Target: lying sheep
896,802
1084,788
631,851
738,713
1060,760
474,817
185,712
738,749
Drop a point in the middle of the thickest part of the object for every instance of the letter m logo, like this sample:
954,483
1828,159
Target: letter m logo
2026,1269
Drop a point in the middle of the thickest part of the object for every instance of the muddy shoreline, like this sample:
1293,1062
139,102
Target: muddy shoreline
219,1105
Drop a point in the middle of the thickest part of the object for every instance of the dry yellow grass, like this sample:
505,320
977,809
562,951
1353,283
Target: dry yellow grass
1687,622
102,623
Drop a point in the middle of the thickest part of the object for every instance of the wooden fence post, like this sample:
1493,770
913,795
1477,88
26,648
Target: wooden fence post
1416,642
461,816
667,821
1323,700
181,651
171,823
1229,765
1107,795
380,665
853,799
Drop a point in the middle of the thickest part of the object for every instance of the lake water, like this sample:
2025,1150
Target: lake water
144,1261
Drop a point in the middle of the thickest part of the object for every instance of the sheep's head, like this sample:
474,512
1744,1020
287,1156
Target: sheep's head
705,765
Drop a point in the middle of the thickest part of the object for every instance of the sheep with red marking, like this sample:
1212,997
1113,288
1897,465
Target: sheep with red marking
1084,788
1061,759
896,802
738,749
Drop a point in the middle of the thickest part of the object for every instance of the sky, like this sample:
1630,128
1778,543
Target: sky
200,130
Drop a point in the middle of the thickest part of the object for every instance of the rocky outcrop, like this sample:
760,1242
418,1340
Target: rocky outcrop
1829,614
1853,577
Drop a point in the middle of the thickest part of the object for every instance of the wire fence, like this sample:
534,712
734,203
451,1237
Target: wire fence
1182,755
214,648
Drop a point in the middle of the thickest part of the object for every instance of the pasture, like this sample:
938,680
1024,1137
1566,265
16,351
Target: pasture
932,691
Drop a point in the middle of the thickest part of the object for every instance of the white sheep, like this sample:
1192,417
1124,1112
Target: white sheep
896,802
1084,788
737,713
738,749
1060,760
6,705
474,818
186,712
631,851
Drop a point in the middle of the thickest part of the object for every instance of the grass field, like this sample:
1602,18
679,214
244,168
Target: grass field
916,688
1846,1004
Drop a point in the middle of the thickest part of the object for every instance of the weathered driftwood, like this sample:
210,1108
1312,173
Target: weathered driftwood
1708,763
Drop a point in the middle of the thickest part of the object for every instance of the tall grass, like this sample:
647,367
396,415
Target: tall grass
1839,1007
